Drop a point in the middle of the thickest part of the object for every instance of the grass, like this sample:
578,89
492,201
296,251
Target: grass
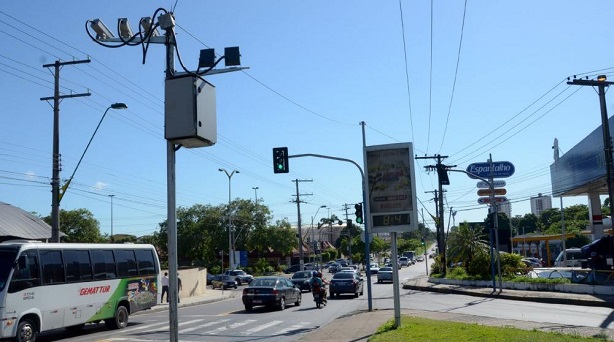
417,329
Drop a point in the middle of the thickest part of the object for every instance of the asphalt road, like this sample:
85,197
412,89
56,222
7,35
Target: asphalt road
228,321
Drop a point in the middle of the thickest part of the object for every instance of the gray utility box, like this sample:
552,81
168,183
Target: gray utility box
189,112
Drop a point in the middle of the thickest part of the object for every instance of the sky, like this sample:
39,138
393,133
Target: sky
463,79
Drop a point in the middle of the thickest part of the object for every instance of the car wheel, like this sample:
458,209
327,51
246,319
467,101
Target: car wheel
299,298
332,295
238,281
282,304
248,308
356,295
235,286
379,281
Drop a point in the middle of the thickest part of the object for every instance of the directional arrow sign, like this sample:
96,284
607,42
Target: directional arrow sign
486,200
500,169
497,184
486,192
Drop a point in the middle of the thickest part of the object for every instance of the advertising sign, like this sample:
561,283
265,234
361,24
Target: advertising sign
497,184
486,200
392,188
486,192
501,169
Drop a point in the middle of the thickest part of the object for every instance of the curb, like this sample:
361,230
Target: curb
528,296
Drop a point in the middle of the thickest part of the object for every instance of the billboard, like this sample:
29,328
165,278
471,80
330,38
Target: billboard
392,188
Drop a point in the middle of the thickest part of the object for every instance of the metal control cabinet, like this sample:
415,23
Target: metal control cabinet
190,112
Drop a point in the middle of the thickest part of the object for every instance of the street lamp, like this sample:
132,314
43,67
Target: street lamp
118,105
255,194
111,217
231,257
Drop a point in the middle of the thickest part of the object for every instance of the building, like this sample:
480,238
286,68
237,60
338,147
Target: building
540,203
505,207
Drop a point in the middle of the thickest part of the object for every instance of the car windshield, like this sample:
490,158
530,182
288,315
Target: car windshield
344,275
385,269
301,275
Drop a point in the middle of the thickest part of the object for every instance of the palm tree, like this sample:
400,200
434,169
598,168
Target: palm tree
465,242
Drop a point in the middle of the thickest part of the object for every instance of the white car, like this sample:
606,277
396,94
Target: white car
404,261
384,274
374,268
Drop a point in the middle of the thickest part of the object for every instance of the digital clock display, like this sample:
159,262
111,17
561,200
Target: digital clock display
390,220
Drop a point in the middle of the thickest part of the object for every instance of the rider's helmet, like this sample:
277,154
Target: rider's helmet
314,273
319,275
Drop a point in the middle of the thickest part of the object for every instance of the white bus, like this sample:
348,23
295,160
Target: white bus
46,286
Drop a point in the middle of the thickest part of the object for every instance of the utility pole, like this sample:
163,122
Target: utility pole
300,233
443,180
55,177
601,84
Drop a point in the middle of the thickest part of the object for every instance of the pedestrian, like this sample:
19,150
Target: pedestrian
164,287
179,287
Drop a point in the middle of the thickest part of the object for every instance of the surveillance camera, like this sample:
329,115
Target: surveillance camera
102,32
124,28
146,24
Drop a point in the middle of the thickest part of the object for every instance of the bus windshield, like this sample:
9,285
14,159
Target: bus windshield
7,260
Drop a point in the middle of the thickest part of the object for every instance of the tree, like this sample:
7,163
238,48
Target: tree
465,244
79,226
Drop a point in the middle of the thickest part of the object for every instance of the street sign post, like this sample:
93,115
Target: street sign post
497,191
501,169
496,184
486,200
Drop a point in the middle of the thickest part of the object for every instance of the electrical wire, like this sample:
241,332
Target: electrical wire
458,54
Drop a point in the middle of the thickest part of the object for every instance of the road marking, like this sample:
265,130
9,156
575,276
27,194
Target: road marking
208,324
290,328
261,327
228,327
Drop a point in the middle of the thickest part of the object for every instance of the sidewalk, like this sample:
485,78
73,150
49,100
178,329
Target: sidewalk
360,325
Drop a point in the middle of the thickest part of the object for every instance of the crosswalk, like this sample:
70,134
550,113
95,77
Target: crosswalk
195,329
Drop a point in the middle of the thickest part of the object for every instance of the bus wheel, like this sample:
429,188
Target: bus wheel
120,320
26,331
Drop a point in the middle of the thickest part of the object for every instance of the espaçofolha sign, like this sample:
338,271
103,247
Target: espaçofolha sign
500,169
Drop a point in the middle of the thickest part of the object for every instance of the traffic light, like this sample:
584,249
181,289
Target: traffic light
358,213
422,241
280,160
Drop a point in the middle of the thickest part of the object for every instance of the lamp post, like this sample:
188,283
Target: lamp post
255,194
111,196
231,257
117,105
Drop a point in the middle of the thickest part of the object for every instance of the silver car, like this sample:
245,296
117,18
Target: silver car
384,274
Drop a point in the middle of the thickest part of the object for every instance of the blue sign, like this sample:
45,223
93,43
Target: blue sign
243,258
500,169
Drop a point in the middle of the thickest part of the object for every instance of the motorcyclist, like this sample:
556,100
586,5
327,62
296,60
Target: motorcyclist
317,286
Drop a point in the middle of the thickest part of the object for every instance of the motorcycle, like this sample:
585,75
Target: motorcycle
320,297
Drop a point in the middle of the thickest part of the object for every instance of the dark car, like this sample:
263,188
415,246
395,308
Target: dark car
346,282
292,269
301,280
240,276
223,282
271,292
210,278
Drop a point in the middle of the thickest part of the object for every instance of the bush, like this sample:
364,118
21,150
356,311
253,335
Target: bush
480,266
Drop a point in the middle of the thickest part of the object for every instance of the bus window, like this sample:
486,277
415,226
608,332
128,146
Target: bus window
53,269
126,263
104,264
77,265
145,260
26,273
